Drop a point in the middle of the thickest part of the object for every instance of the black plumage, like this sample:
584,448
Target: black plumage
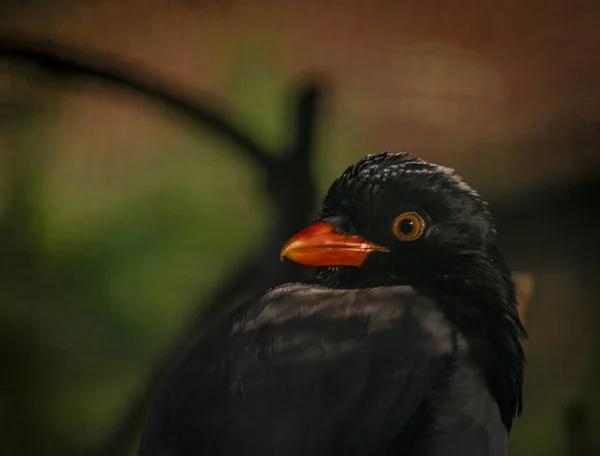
407,342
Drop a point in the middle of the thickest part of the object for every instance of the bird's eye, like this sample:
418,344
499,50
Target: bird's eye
408,226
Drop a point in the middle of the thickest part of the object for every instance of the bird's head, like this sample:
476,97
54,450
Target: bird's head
393,219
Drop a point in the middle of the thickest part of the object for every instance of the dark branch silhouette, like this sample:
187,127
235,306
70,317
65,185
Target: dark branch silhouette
288,184
68,63
292,198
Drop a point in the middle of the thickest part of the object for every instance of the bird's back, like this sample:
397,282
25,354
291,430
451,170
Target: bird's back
310,370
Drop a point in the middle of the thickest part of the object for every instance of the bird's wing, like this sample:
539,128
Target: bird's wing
304,370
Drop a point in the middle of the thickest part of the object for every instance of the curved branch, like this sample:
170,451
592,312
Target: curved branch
74,64
291,193
289,188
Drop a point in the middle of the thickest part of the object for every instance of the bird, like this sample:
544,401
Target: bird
405,341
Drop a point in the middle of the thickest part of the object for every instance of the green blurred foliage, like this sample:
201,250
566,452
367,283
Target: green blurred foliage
99,271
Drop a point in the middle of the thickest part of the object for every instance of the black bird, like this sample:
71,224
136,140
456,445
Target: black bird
406,343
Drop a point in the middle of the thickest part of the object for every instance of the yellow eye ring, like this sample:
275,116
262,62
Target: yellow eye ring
408,226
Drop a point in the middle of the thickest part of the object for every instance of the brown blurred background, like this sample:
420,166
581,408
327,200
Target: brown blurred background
116,217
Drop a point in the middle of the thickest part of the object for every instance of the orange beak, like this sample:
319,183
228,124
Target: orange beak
320,245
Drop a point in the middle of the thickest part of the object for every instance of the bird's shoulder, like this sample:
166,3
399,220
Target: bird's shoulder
378,310
312,334
302,365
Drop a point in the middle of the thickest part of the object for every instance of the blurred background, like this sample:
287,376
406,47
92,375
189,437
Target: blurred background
120,219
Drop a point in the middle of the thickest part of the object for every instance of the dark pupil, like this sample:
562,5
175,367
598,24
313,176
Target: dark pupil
406,226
